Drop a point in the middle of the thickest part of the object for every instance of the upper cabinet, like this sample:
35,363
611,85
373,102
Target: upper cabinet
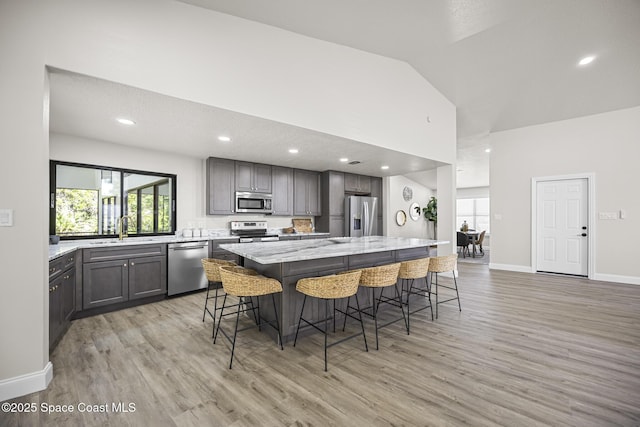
357,183
282,186
306,192
220,186
253,177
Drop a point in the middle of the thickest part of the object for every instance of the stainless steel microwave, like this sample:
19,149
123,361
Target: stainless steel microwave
247,202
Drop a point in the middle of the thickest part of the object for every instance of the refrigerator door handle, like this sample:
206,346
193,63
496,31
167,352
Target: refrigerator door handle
367,225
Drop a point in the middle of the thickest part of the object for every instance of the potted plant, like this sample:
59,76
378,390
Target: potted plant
430,212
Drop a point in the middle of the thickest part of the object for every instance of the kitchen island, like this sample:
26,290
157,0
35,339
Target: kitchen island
289,261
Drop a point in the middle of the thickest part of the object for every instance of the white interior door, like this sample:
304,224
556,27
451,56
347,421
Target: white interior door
562,218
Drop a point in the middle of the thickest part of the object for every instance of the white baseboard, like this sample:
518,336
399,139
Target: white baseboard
26,384
631,280
511,267
614,278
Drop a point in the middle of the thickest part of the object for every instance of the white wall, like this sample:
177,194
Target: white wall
604,144
472,193
395,202
187,52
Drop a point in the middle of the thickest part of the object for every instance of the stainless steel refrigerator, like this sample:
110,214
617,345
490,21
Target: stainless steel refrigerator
361,216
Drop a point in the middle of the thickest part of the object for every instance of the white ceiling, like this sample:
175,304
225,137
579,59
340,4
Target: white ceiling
504,63
87,107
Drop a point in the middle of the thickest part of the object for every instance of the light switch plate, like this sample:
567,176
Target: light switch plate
6,217
608,215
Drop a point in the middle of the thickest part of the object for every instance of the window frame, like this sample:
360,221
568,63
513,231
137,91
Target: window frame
52,198
475,214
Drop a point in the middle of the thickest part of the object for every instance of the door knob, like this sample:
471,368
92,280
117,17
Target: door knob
582,235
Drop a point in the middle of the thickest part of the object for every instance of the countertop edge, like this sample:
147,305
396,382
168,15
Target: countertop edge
66,246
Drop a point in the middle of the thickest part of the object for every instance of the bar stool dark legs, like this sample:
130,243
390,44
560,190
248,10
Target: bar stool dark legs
443,264
245,284
410,271
330,288
211,268
381,277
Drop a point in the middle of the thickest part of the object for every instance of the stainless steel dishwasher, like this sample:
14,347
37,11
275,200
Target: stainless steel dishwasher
185,272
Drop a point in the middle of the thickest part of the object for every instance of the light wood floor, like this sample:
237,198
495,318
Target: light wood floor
526,350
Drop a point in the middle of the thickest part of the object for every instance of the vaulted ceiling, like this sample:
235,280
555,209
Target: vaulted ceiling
505,64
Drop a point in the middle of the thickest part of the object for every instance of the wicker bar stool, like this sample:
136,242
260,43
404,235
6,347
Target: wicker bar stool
211,270
410,271
443,264
245,284
379,278
328,288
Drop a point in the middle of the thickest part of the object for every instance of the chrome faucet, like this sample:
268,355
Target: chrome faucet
121,226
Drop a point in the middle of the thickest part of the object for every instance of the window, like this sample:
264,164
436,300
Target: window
88,201
475,212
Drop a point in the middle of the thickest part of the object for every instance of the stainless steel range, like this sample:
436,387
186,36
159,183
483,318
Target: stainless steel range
252,231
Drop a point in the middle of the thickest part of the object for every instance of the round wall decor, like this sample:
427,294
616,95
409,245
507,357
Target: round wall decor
414,211
407,193
401,218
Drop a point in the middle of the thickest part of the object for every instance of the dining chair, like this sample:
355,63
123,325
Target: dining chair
479,242
463,242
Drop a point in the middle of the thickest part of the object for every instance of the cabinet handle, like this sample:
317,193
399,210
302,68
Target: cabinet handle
132,264
124,265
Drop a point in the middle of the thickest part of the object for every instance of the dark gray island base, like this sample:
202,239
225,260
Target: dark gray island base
290,261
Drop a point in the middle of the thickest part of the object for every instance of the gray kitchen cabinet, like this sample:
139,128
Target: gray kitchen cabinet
216,252
313,237
253,177
62,291
126,273
358,184
288,237
104,283
336,226
376,187
376,191
282,190
332,219
306,193
221,186
335,182
147,277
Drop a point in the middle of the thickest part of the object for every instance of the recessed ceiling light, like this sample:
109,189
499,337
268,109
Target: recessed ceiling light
385,167
224,138
488,150
344,160
586,60
293,150
124,121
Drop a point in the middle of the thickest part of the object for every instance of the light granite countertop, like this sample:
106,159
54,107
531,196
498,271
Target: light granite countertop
68,246
300,250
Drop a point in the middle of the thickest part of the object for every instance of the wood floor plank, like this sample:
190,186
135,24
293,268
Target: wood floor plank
526,350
